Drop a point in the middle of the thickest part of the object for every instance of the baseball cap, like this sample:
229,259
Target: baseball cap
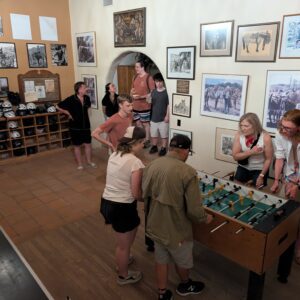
132,134
181,141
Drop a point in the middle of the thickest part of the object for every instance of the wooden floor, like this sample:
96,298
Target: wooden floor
50,210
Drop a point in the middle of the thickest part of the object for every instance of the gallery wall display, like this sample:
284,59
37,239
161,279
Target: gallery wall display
174,132
59,55
181,105
216,39
257,42
130,28
86,49
3,86
290,37
224,143
37,57
1,27
282,94
224,96
8,56
91,83
181,62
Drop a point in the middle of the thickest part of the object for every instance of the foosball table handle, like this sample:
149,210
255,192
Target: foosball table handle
218,227
240,230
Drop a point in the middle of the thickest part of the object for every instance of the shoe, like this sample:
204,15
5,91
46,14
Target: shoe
153,149
130,261
147,144
133,277
162,152
93,165
80,168
167,295
190,288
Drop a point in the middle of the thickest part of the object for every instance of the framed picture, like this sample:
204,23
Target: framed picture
37,57
257,42
59,55
174,132
8,56
290,37
130,28
181,62
181,105
282,94
3,86
1,27
216,39
86,49
224,96
91,83
224,143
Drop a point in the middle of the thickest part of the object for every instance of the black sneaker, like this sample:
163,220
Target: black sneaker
153,149
167,295
162,152
147,144
190,288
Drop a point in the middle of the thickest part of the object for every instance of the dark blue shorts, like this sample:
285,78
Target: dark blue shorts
80,136
243,175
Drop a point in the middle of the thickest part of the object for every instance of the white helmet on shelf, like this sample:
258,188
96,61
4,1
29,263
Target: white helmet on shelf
6,105
15,134
9,114
51,109
12,124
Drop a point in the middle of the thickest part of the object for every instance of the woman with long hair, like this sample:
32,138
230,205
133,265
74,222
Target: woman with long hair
109,102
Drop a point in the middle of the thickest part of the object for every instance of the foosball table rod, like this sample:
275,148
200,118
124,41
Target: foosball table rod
218,227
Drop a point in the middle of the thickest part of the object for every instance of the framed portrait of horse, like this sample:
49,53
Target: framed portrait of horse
181,105
257,42
37,57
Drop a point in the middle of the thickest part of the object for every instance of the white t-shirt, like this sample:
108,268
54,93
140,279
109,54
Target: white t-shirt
118,177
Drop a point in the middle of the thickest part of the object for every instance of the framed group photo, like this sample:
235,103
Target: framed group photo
8,56
216,39
257,42
181,105
91,83
224,96
181,62
37,57
3,86
224,143
86,49
130,28
282,94
174,132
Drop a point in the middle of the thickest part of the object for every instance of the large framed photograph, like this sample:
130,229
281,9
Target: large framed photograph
216,39
91,83
8,56
59,55
181,105
86,49
257,42
3,86
174,132
37,57
290,37
282,94
224,96
181,62
224,143
130,28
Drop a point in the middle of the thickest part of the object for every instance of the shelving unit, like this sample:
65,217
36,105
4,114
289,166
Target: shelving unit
39,133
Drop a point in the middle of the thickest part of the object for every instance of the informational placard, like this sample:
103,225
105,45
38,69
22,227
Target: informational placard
48,29
20,25
183,87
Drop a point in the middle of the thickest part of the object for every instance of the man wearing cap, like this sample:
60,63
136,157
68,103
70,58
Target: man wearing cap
172,202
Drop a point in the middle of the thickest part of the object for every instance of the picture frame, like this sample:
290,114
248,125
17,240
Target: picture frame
189,134
86,49
257,42
290,37
37,57
223,144
181,105
91,83
223,96
181,62
8,56
130,28
282,94
1,27
216,38
4,88
59,56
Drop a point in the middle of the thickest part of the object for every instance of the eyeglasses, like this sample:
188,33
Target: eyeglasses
288,129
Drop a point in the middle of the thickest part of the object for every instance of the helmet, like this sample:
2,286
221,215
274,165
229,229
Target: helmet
21,110
40,109
40,129
29,131
12,124
17,143
40,120
31,108
1,110
9,114
48,104
6,105
3,135
15,134
51,109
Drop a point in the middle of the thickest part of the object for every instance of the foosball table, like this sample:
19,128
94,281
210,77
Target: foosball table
262,227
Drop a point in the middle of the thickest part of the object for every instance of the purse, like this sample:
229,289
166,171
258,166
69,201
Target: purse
245,161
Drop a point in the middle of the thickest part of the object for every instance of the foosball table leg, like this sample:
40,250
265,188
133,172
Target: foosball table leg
255,286
285,264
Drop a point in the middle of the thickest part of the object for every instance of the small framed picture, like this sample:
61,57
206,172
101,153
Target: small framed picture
181,62
3,86
257,42
290,37
1,27
91,83
59,55
216,39
174,132
224,143
130,28
224,96
86,49
282,94
181,105
37,57
8,56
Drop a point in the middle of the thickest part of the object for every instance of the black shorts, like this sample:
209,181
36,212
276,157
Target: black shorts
243,175
80,136
122,216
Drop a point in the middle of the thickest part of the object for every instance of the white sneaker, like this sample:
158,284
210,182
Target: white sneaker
133,277
80,168
93,165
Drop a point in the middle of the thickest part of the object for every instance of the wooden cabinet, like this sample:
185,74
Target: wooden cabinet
125,76
31,134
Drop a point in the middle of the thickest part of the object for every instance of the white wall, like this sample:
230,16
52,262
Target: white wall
177,23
